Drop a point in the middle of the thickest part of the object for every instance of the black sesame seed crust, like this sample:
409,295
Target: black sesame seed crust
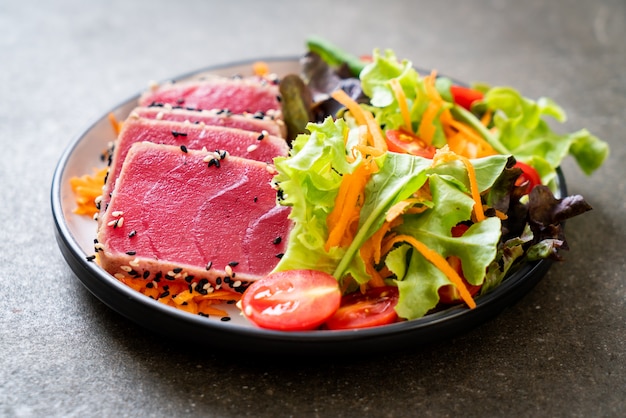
176,133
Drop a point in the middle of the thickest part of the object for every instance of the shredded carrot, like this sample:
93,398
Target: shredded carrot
426,128
207,307
355,110
347,207
440,262
486,118
260,68
178,296
378,139
402,103
87,188
405,206
343,220
444,155
117,125
501,215
471,173
483,147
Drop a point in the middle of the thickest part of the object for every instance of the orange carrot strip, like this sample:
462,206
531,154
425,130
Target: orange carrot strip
378,139
472,136
471,173
440,262
86,189
347,205
354,108
402,103
117,126
486,118
426,127
206,308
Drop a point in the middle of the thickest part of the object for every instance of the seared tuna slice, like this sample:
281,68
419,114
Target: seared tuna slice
252,145
175,218
238,95
247,122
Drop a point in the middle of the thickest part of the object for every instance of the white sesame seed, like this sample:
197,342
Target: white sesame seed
112,223
159,116
119,276
229,270
127,269
98,247
134,263
237,283
95,216
167,106
117,213
208,158
120,222
252,147
270,169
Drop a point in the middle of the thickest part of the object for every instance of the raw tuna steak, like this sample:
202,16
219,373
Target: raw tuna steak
235,141
239,95
174,217
247,122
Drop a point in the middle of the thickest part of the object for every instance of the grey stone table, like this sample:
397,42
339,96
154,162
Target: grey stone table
560,351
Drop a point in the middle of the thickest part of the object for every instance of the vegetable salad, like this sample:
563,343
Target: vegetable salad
413,189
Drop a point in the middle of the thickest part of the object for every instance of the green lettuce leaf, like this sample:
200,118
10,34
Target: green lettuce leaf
418,281
309,180
376,77
524,131
400,176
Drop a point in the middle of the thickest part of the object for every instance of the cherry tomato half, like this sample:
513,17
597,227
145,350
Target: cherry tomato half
363,310
458,230
529,176
404,142
465,96
292,300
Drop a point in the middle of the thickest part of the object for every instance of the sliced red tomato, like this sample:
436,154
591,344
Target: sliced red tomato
529,177
458,230
363,310
404,142
449,294
292,300
465,96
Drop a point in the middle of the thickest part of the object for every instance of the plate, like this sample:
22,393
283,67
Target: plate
75,235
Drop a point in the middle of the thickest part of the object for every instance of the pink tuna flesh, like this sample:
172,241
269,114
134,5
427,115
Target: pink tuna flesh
238,95
247,122
236,141
178,214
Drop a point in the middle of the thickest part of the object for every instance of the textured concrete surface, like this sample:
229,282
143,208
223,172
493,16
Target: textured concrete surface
560,351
